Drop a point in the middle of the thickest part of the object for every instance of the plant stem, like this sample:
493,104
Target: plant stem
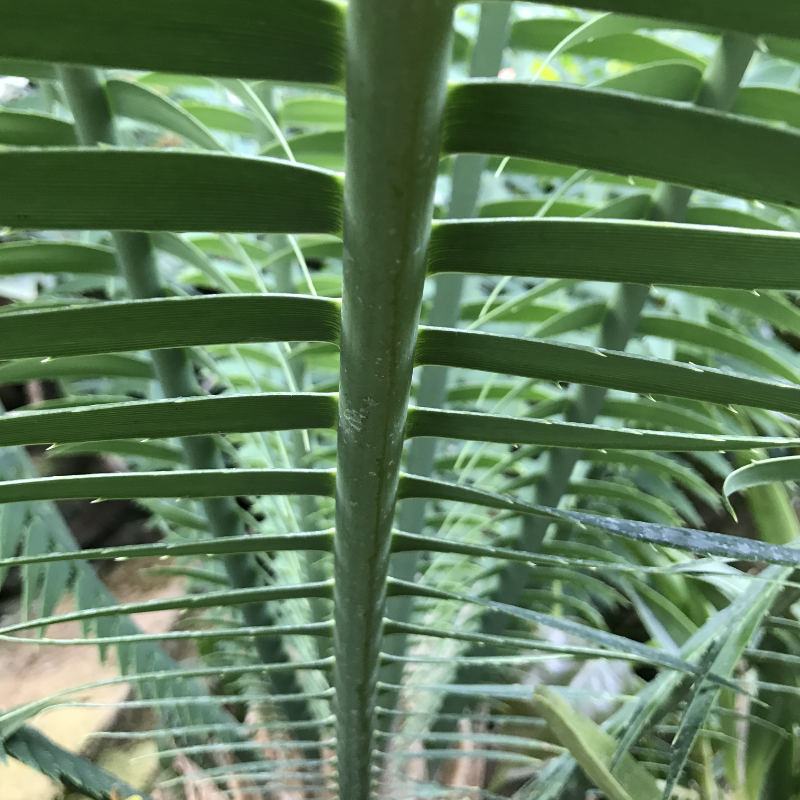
486,60
396,84
94,124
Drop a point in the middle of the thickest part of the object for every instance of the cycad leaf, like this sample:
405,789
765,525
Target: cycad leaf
318,541
718,339
596,28
158,190
762,473
695,541
672,80
33,129
168,322
544,33
624,134
532,358
737,15
19,258
184,483
37,751
513,430
769,102
303,41
618,251
169,418
140,103
593,749
100,366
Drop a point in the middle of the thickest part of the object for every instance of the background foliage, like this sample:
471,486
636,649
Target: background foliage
626,184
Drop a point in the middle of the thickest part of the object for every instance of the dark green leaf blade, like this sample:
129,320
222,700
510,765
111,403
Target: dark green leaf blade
156,190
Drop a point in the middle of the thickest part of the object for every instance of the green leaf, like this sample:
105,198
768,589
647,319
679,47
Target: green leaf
592,29
155,450
190,416
532,358
302,41
100,366
624,134
33,129
672,80
324,150
167,322
544,33
208,599
221,119
183,483
35,750
762,473
617,251
737,15
20,258
33,70
783,48
718,339
727,218
593,749
529,208
159,190
140,103
769,102
514,430
696,541
321,541
323,111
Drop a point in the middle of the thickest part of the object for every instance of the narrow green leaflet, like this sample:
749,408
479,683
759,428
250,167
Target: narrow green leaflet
218,599
33,129
622,133
533,358
99,366
317,540
728,218
617,251
593,749
761,473
323,111
514,430
701,542
157,190
20,258
596,28
177,483
301,41
620,644
672,80
769,102
778,17
136,101
158,451
221,119
324,149
168,322
191,416
35,750
544,33
719,339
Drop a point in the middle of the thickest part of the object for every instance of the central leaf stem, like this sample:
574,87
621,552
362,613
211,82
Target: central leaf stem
396,81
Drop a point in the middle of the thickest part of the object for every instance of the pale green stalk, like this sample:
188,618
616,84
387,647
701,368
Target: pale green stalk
467,169
397,63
